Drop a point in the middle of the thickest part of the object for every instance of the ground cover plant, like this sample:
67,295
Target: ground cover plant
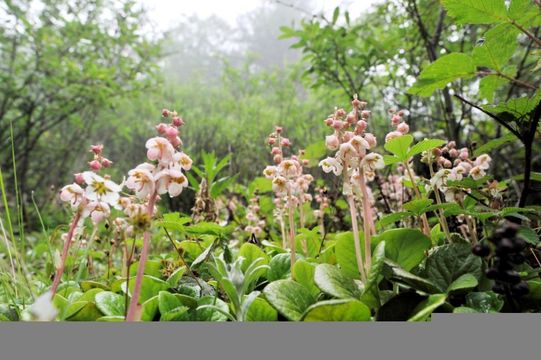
372,219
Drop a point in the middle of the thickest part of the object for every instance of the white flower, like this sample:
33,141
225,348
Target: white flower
477,172
270,172
439,180
289,168
183,160
331,164
141,180
73,194
100,189
483,161
97,210
43,308
279,185
171,181
347,151
160,149
373,161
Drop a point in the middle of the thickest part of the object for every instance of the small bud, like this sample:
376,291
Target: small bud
94,165
79,178
161,127
106,162
365,114
96,149
286,142
271,141
329,121
171,132
279,129
165,113
277,159
176,121
403,128
276,151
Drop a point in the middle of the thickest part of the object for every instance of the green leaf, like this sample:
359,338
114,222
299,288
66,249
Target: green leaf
447,263
207,314
290,298
150,309
446,69
114,318
175,277
311,239
489,84
525,13
476,11
335,15
418,206
399,146
203,256
427,307
261,310
394,272
378,259
303,271
333,282
261,184
250,253
82,311
400,307
494,144
466,281
499,46
485,302
150,287
425,145
406,247
391,218
111,304
345,253
529,235
279,267
171,308
519,107
338,310
89,284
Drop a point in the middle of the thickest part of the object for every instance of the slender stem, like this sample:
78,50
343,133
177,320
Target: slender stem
65,251
283,230
368,222
84,261
441,216
291,231
134,307
426,228
356,239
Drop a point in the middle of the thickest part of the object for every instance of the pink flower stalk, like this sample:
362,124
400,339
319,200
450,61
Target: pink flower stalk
357,165
93,201
289,185
148,181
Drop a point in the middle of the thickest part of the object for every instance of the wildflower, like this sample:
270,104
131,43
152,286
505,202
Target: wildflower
477,172
183,160
279,185
331,164
101,189
373,161
73,194
270,172
97,210
332,142
171,181
483,161
159,149
141,180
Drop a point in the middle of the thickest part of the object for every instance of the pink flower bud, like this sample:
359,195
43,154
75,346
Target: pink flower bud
350,118
363,104
276,151
348,135
106,162
329,121
451,145
305,162
271,141
161,127
96,149
447,164
165,113
171,132
401,113
403,128
340,113
286,142
396,119
279,129
356,103
365,114
392,135
371,140
176,121
463,154
94,165
176,142
453,153
277,159
332,142
361,125
337,124
79,178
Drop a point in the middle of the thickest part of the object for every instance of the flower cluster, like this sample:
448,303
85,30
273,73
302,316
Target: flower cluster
289,183
91,194
352,144
455,164
255,223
